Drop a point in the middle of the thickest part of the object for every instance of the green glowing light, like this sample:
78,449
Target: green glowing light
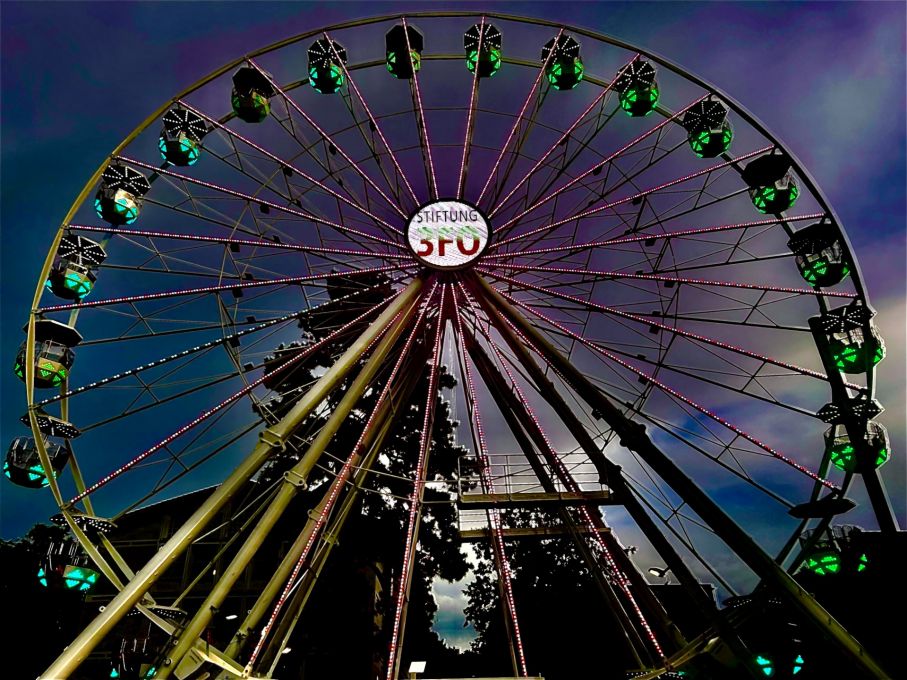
114,673
36,472
78,283
252,108
824,562
798,664
42,577
814,271
19,370
126,208
121,209
765,665
151,672
850,358
639,102
565,74
398,68
882,457
489,64
773,200
326,80
79,578
49,373
861,566
843,457
711,143
183,151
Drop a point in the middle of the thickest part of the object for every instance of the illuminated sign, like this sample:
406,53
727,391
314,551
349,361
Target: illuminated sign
447,234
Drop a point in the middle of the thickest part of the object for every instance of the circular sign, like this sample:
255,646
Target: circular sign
447,234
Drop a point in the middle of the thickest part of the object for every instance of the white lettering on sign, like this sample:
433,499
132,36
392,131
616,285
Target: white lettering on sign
447,234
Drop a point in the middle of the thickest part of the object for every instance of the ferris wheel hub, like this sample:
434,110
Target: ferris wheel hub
448,234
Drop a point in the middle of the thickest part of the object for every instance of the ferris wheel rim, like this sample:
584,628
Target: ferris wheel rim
277,45
802,173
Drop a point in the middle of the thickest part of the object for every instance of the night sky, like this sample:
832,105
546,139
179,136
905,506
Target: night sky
826,78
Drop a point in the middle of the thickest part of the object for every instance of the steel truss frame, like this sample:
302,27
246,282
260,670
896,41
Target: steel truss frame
467,296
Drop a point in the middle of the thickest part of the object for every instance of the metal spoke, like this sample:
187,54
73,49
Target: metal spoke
216,289
682,233
423,124
657,324
292,104
601,95
252,200
340,480
598,166
415,499
615,275
263,243
473,101
665,388
308,351
517,121
494,515
287,165
371,117
609,206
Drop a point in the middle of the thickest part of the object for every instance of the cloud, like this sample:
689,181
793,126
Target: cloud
450,619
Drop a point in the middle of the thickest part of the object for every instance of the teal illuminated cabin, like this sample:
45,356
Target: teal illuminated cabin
855,352
119,200
483,46
836,551
773,188
66,567
23,464
53,354
403,51
853,345
181,136
820,254
74,271
637,88
326,66
771,633
136,659
709,132
564,68
251,95
869,452
767,667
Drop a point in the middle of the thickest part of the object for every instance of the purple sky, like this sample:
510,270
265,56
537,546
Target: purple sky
826,78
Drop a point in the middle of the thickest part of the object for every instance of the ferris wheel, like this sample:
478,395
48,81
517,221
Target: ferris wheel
627,275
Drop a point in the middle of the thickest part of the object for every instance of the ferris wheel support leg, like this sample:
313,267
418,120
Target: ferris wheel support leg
126,599
519,421
613,476
607,470
634,437
374,439
293,478
881,504
294,610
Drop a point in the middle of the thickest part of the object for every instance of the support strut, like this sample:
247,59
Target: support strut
634,437
374,439
126,599
289,486
613,476
517,419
